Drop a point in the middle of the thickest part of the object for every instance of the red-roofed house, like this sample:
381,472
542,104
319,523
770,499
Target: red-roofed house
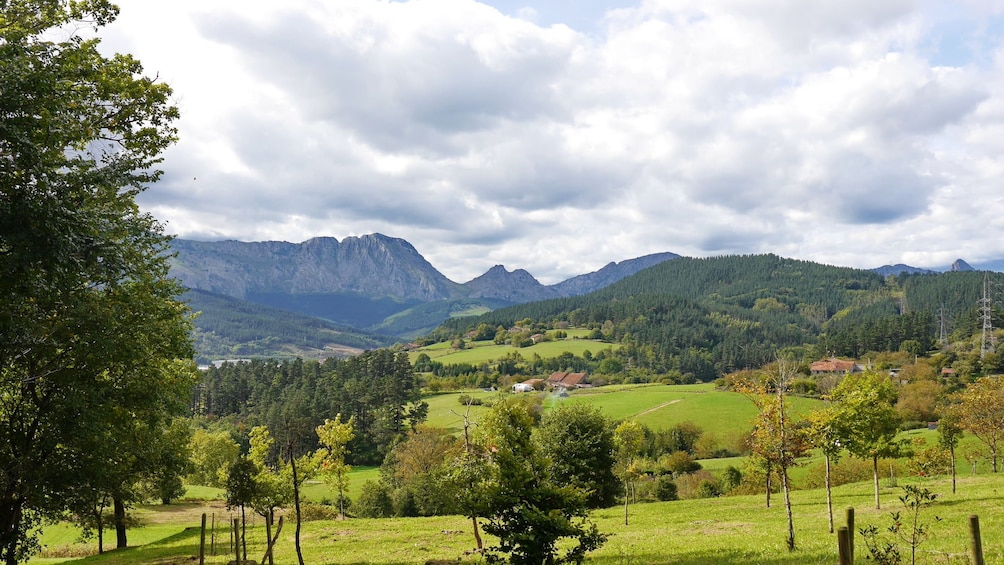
567,380
834,366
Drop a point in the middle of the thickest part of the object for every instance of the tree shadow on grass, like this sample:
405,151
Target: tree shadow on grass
177,549
716,556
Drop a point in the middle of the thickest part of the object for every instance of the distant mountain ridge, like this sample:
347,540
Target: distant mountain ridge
373,283
376,284
371,265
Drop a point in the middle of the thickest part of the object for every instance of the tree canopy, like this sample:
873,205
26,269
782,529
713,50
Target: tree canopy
89,322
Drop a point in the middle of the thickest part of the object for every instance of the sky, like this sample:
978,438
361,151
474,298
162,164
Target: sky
558,136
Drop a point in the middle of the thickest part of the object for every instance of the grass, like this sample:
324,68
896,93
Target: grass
656,406
726,531
486,351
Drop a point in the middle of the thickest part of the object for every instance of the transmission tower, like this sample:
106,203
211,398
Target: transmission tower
986,308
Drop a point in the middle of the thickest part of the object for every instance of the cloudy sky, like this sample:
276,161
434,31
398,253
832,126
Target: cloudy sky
555,137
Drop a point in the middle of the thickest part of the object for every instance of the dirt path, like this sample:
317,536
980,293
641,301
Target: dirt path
659,407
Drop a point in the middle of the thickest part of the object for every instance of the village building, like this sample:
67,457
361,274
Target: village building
567,380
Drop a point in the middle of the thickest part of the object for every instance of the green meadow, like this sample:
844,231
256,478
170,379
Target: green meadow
731,530
486,351
654,405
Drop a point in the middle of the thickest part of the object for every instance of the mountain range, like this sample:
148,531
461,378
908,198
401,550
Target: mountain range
266,298
370,290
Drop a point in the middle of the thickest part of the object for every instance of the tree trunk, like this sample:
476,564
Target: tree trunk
784,467
101,531
951,450
829,494
787,508
268,534
296,505
477,534
120,525
768,485
875,479
244,535
10,526
627,498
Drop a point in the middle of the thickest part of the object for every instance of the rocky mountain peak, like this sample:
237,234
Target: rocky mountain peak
960,265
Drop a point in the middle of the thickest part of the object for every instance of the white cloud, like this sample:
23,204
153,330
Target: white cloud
834,132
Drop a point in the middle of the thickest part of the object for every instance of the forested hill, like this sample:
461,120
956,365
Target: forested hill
709,316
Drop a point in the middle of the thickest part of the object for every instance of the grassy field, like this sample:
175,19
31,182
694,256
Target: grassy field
486,351
656,406
724,531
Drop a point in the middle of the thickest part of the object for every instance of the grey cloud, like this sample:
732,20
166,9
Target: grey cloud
863,191
413,98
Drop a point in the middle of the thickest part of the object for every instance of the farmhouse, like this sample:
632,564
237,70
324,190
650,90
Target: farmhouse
834,366
566,380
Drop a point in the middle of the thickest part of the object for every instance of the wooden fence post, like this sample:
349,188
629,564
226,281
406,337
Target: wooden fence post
850,532
844,546
212,537
202,541
975,543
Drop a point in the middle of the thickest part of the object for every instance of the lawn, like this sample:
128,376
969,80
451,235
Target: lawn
725,531
654,405
486,352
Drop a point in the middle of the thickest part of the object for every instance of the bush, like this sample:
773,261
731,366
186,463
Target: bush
731,478
709,488
680,463
688,486
466,399
375,501
312,512
404,503
666,489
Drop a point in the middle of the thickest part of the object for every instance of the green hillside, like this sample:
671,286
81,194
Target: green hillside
228,327
656,406
707,317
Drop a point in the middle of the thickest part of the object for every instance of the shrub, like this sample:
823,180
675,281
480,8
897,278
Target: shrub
680,463
731,478
709,488
666,489
311,512
375,501
688,486
466,399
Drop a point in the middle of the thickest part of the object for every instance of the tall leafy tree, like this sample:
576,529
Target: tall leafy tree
871,421
88,318
526,510
579,441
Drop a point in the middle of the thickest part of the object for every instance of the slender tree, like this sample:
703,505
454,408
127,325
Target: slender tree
871,421
981,412
949,435
824,433
628,439
334,436
774,439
